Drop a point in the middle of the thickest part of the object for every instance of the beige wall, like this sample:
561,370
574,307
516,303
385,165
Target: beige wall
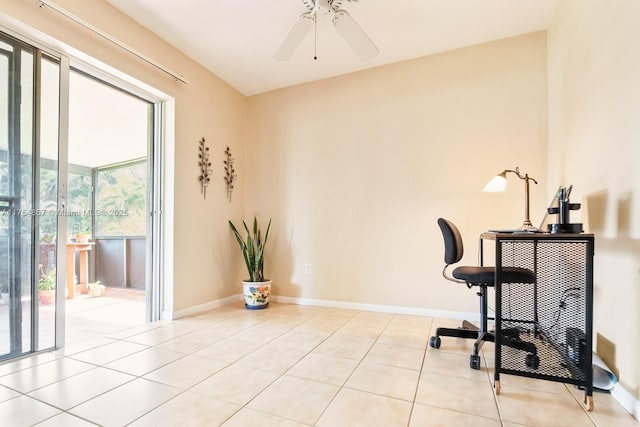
594,134
198,236
355,170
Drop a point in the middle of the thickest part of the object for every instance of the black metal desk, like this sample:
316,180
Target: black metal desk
555,314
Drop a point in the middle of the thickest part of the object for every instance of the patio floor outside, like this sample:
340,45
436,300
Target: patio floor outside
89,317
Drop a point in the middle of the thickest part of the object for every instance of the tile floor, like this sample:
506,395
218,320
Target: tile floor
285,366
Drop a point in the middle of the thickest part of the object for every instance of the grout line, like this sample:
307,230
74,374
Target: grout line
340,388
424,359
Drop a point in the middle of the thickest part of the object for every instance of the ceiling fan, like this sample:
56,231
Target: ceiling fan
344,23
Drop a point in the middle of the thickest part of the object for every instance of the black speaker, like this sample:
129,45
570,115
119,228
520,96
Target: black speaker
577,347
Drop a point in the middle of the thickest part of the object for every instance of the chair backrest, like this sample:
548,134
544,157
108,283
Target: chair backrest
453,247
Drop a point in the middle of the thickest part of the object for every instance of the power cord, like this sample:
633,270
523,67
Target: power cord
563,303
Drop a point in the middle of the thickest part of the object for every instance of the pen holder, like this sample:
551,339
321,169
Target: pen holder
564,207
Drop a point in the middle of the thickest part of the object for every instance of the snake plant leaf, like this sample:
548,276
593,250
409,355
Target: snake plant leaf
252,248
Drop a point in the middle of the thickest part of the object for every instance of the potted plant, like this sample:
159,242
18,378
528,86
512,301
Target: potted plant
83,236
255,289
47,286
96,289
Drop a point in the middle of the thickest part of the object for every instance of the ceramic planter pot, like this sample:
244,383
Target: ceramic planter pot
256,294
82,238
96,290
47,297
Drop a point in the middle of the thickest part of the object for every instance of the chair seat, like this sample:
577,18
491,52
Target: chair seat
486,275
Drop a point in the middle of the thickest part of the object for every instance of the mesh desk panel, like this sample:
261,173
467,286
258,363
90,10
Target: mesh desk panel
544,330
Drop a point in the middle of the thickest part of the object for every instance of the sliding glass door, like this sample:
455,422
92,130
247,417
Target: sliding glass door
36,132
29,194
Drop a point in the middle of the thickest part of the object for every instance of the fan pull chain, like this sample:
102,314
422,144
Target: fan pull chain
315,38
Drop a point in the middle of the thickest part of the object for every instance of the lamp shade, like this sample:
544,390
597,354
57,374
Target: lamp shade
497,183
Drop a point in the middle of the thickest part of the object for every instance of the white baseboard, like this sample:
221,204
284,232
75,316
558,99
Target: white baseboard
627,400
458,315
201,308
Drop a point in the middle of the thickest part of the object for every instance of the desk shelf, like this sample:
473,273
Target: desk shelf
554,315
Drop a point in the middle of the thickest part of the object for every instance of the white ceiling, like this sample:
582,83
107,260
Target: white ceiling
236,39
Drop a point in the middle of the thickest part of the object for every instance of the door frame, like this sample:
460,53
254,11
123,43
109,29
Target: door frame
13,196
63,170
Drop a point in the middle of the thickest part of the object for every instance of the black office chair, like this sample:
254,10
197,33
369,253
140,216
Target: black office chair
483,278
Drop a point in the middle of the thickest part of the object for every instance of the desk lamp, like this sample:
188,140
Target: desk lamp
499,182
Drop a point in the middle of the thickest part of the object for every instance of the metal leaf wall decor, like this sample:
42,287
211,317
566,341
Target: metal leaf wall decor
229,172
205,167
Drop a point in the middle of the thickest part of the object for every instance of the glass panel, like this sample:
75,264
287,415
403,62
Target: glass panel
4,124
5,339
48,202
26,217
121,199
16,184
22,171
6,47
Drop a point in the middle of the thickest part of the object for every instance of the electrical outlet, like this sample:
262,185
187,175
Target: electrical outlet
307,268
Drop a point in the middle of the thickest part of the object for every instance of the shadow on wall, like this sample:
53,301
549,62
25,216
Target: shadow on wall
611,221
607,352
596,204
609,218
624,217
224,256
285,285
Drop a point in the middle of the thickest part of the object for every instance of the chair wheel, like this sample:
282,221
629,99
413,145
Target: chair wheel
434,342
474,362
532,361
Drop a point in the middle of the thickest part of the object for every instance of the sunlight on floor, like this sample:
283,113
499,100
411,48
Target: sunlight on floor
119,309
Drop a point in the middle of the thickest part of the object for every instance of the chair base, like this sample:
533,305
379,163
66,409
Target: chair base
468,331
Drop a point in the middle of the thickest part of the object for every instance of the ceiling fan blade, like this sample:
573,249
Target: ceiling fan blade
355,37
295,37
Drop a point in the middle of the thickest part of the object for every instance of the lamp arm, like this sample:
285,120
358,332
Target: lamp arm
526,225
526,177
